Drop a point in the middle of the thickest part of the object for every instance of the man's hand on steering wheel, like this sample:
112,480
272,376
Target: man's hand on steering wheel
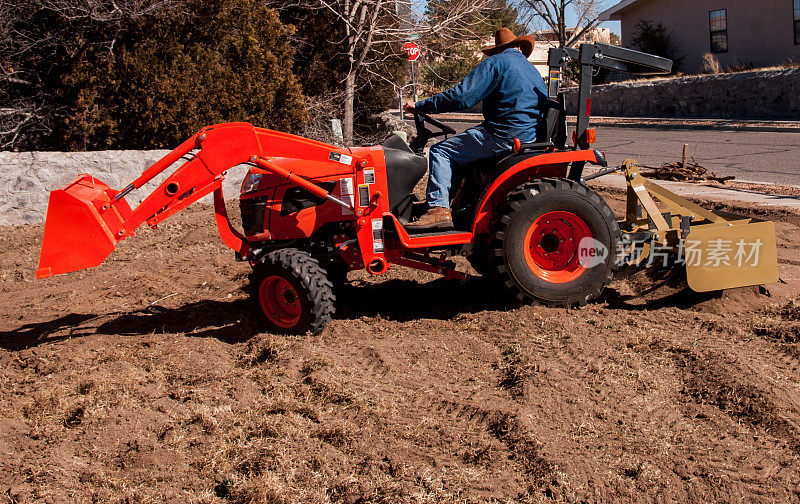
420,118
423,133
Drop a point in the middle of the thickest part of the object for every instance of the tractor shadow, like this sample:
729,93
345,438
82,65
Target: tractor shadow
239,320
407,300
37,333
654,290
395,300
228,321
682,299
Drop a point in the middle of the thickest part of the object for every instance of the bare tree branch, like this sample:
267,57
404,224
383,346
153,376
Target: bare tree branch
552,15
32,34
375,31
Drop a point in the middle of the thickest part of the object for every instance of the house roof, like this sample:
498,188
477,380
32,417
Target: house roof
617,11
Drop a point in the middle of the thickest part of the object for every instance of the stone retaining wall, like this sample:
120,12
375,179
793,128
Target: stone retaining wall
27,177
766,94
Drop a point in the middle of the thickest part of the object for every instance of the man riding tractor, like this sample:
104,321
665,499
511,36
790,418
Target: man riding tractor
512,92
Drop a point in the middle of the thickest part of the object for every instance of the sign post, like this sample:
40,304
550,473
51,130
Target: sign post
413,52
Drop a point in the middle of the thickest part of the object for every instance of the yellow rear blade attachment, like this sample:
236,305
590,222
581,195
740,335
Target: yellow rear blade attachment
731,255
718,253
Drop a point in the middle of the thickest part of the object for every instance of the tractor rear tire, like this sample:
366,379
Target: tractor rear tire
293,292
556,243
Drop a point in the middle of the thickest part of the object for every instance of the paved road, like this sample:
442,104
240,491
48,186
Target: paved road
747,155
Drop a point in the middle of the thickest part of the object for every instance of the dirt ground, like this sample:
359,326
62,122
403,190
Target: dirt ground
150,379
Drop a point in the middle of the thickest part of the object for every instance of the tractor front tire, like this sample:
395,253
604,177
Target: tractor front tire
293,292
556,243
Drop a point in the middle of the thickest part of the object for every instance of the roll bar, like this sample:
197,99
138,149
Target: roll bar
591,56
606,56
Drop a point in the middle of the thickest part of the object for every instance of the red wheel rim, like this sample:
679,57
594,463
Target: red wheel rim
279,301
552,246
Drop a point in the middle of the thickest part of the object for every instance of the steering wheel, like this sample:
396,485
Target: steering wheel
424,134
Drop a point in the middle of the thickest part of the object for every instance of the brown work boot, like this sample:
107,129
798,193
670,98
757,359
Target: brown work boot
435,219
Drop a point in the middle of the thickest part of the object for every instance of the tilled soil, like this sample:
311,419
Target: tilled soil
151,379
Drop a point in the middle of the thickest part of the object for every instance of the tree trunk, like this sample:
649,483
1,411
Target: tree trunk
349,98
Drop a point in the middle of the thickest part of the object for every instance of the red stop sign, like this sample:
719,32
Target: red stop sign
412,50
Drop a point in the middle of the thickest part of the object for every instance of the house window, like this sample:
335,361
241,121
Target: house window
797,22
718,20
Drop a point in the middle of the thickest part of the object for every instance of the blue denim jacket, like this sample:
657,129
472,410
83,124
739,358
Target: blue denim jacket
511,90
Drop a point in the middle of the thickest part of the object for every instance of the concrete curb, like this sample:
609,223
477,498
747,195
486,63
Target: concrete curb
705,193
689,124
657,123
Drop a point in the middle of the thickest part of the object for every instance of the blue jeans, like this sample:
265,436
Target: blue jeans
448,157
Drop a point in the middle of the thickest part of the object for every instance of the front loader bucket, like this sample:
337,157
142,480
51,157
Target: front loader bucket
80,231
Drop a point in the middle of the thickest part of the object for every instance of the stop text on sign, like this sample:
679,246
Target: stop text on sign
412,50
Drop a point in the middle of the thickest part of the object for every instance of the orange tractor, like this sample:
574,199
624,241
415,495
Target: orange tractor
311,212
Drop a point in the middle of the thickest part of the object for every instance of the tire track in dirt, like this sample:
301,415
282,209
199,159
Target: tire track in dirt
710,379
418,391
456,414
692,471
750,428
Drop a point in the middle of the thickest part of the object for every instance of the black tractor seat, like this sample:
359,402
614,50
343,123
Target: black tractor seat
404,170
395,141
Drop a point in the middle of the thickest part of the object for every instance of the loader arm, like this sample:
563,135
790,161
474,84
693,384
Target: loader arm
86,218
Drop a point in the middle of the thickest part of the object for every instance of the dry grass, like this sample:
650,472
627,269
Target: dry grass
417,393
742,68
791,63
781,323
515,371
710,64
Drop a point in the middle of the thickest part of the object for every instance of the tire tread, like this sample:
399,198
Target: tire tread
314,285
527,193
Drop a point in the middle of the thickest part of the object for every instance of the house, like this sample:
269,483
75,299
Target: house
546,39
737,32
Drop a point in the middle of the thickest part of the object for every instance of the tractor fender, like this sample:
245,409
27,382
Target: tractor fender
547,165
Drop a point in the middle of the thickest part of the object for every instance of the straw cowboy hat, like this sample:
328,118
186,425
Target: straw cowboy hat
505,38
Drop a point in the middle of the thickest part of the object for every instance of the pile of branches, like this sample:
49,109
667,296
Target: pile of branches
678,172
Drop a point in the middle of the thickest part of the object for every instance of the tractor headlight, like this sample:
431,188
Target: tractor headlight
250,183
